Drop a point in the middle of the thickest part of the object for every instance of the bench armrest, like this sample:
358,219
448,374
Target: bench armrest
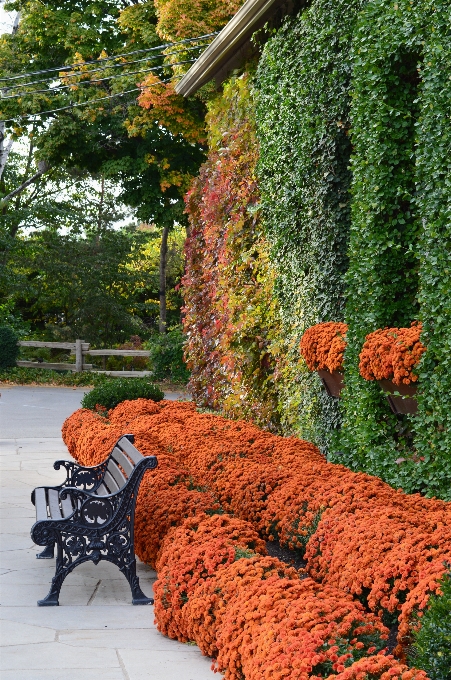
78,476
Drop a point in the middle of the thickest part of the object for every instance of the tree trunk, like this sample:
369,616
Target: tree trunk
5,148
163,261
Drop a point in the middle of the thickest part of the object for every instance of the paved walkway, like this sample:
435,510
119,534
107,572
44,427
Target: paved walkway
95,632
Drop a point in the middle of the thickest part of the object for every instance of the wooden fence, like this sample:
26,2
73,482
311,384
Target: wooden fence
81,349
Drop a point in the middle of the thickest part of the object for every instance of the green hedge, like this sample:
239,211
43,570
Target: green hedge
303,104
9,349
166,356
431,648
112,392
400,244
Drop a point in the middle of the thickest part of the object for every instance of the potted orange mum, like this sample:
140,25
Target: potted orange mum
322,347
390,355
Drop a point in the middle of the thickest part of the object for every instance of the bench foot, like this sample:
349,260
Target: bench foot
142,600
47,554
50,601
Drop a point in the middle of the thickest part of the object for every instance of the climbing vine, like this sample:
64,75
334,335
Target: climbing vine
231,315
303,103
400,243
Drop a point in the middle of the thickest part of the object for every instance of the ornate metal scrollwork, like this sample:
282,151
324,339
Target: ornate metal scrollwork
100,528
95,512
86,478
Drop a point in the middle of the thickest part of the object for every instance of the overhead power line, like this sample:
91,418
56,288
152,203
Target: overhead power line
101,68
69,67
89,101
58,89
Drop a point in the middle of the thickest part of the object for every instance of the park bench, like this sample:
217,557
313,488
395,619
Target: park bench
90,516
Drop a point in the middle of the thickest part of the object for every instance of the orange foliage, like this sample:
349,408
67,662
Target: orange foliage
169,109
361,537
380,668
323,345
289,628
392,354
205,610
178,19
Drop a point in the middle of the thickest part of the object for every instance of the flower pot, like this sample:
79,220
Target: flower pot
406,403
333,382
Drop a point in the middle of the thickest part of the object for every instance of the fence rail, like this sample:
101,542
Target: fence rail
81,348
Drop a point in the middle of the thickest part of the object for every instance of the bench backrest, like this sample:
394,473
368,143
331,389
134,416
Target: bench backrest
122,461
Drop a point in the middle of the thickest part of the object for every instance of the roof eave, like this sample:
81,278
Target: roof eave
230,41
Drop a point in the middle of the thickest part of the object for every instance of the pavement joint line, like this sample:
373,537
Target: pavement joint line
122,665
94,593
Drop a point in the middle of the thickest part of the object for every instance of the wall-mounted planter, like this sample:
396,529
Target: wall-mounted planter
404,404
333,382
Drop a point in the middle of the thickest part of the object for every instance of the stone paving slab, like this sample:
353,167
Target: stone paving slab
95,632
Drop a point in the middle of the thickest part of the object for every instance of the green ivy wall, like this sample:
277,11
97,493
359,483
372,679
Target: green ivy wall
333,204
303,83
353,121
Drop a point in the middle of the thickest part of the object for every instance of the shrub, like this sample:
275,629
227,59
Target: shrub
9,349
42,376
166,356
111,393
323,345
431,649
392,353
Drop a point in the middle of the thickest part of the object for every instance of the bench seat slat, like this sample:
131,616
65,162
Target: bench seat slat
102,490
116,473
130,450
54,506
122,460
67,506
40,503
110,482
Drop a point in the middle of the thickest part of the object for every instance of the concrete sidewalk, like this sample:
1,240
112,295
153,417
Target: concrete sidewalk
95,632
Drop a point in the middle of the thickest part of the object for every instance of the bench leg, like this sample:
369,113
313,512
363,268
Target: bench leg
138,596
48,553
52,598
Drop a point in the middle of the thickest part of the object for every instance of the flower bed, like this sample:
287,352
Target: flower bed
378,550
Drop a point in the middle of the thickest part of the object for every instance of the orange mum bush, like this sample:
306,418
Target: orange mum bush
177,581
380,668
161,509
204,612
379,554
75,426
268,628
244,486
392,354
323,345
202,527
359,535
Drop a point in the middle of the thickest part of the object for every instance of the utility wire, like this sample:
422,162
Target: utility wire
101,68
90,101
69,67
58,89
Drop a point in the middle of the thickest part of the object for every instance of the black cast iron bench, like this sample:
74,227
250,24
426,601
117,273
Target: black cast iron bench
90,516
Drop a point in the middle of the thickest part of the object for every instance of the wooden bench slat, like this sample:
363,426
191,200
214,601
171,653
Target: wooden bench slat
110,482
116,473
102,490
130,450
67,506
54,506
40,503
122,460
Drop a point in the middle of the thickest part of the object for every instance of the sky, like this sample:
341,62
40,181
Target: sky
6,19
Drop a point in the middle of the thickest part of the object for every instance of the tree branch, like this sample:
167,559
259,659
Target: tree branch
42,168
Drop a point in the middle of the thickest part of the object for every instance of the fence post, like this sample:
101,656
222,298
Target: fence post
78,356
